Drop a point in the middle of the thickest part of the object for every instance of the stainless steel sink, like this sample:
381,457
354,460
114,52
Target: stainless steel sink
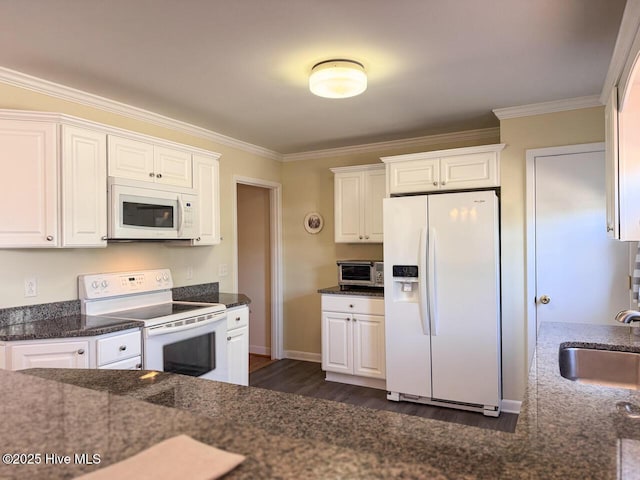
611,368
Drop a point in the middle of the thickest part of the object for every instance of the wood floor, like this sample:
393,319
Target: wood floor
307,378
256,362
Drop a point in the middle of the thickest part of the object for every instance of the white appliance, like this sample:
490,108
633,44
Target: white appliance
179,337
442,300
146,211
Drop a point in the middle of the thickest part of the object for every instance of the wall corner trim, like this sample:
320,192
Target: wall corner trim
510,406
548,107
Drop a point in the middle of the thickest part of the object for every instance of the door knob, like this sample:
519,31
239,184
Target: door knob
544,299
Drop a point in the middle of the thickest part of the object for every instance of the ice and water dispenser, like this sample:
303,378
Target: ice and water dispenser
405,283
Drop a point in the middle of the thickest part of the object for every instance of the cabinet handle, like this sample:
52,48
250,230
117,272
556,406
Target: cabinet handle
443,183
81,351
198,239
50,238
435,184
237,319
158,175
138,366
151,174
123,348
228,338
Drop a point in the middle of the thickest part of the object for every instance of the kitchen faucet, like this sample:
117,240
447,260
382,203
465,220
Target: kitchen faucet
628,316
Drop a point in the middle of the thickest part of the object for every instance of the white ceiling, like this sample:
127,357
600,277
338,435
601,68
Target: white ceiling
240,67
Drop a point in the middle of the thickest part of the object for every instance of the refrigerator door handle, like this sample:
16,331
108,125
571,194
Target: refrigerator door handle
431,282
423,304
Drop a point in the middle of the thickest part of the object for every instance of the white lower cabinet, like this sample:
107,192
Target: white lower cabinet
60,354
353,340
238,345
118,350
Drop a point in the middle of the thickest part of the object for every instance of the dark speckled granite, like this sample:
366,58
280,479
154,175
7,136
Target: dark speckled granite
181,293
364,291
566,430
63,327
35,313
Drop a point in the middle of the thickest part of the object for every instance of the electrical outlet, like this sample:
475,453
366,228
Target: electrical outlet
223,270
189,272
31,287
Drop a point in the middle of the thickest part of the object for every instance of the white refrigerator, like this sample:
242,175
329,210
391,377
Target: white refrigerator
442,300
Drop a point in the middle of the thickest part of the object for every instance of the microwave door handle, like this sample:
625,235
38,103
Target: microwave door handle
180,215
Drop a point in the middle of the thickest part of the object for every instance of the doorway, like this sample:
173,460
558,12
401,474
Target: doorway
258,263
575,273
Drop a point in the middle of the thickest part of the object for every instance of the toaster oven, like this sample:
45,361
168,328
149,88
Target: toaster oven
361,273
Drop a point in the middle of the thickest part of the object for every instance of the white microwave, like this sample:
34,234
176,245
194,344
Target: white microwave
138,211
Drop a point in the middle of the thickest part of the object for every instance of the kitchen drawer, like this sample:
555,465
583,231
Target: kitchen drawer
134,363
119,347
237,317
353,304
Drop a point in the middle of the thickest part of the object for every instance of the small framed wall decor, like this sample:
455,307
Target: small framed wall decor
313,222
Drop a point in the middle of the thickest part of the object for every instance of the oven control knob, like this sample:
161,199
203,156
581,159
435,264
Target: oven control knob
95,284
158,277
165,277
104,284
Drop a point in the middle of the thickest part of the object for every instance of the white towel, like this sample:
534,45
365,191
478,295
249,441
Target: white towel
177,458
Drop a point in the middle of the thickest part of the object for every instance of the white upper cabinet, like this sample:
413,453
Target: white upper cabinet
84,187
146,162
455,169
206,171
29,184
358,194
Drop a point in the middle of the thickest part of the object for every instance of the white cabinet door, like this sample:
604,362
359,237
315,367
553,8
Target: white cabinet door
119,346
238,355
172,167
347,207
611,164
74,354
368,346
206,177
84,187
475,170
412,176
131,159
337,342
29,185
374,191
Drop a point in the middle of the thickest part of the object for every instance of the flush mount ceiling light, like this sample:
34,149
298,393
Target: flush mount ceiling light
338,78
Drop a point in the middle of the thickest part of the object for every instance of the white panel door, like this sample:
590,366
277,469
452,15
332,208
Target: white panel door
368,345
347,201
130,159
464,297
474,170
337,342
581,272
173,167
238,355
414,176
374,191
407,346
29,184
84,187
207,183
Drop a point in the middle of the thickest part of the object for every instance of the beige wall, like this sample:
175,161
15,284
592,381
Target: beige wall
310,260
57,269
521,134
254,262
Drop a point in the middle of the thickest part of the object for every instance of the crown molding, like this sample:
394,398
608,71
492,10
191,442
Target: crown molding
39,85
479,135
548,107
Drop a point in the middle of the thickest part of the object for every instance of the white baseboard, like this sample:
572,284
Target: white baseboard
356,380
510,406
259,350
305,356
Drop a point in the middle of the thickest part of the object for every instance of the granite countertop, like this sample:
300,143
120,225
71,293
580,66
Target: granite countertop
565,430
64,320
363,291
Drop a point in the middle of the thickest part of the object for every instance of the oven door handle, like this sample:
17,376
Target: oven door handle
162,330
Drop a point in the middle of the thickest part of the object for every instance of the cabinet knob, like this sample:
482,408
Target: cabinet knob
228,338
104,237
609,228
435,184
360,237
237,319
50,238
351,305
138,366
151,174
348,319
122,348
366,237
198,239
354,319
81,351
443,183
158,175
